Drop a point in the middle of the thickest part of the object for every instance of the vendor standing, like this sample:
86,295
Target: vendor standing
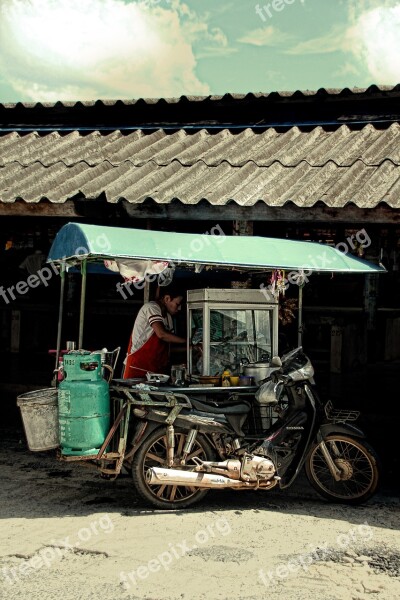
152,334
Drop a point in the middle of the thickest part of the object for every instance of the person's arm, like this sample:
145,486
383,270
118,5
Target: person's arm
166,336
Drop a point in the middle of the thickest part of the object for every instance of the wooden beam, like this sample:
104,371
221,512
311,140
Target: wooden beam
203,211
19,208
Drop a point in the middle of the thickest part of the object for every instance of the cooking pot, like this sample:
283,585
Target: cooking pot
258,370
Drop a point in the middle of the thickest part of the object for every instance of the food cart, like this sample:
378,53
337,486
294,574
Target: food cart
231,325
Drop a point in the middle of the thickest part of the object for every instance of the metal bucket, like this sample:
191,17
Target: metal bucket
39,412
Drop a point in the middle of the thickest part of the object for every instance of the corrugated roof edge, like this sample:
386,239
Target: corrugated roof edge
322,92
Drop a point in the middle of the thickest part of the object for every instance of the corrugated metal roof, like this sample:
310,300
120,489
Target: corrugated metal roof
307,109
322,92
317,147
335,167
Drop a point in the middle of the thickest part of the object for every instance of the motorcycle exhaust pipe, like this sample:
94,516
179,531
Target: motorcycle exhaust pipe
159,476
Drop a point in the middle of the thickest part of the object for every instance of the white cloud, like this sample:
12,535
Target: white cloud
336,39
213,40
375,38
89,49
355,8
370,42
265,36
215,51
346,69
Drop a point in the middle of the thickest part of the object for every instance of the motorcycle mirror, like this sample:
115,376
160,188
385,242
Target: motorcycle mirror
275,362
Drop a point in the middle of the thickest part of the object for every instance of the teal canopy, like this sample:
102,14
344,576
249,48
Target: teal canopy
75,242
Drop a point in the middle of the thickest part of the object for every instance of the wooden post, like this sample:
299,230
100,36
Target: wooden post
392,336
242,228
300,318
370,296
336,348
15,330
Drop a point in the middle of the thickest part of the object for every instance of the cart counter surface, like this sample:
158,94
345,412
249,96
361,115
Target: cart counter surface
190,389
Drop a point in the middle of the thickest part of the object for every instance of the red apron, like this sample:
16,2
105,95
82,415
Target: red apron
152,356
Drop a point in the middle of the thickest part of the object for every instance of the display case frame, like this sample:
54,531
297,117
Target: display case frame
208,299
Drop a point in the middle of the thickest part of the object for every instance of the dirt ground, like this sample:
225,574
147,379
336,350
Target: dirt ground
67,533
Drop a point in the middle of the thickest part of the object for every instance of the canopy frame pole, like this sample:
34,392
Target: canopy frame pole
60,311
82,305
300,318
146,291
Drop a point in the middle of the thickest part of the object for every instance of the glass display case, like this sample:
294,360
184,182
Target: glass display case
227,325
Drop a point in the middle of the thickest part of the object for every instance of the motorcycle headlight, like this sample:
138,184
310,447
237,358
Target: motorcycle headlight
266,393
305,372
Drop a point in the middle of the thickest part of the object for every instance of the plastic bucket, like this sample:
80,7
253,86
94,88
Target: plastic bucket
39,412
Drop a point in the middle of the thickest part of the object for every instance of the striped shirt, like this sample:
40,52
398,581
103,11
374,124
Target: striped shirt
142,330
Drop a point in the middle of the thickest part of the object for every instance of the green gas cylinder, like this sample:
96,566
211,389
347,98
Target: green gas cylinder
83,405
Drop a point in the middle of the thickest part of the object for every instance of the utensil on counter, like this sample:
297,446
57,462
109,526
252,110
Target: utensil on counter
154,377
157,377
258,370
178,374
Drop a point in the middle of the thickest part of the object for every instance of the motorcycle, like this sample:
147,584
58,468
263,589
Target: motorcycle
183,446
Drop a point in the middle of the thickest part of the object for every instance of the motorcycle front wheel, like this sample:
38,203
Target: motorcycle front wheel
153,453
357,462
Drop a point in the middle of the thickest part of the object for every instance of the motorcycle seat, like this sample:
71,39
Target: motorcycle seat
235,408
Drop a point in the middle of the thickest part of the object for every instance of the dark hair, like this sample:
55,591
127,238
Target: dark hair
170,290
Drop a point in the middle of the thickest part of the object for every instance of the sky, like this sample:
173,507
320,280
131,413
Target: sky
54,50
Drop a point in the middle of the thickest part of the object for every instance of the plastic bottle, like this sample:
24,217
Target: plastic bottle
226,382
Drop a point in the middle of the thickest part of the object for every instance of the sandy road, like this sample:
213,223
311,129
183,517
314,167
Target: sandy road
66,533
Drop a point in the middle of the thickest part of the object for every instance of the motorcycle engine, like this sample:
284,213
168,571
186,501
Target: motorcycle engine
249,468
257,468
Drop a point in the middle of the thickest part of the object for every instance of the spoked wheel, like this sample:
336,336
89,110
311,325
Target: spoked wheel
357,463
153,453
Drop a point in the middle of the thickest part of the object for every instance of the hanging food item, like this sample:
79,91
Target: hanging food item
278,283
272,285
287,307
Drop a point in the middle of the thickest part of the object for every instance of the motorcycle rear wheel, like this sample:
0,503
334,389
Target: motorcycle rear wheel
153,453
358,464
